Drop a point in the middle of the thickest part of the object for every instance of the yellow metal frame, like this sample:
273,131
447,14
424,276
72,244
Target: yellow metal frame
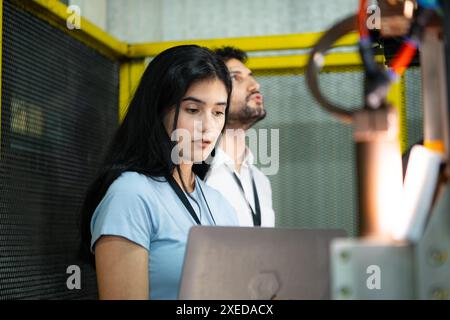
289,62
131,56
55,13
130,74
396,97
258,43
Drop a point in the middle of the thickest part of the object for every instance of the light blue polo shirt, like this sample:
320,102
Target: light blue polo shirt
150,214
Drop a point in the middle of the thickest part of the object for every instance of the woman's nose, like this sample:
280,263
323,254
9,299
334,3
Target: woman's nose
208,122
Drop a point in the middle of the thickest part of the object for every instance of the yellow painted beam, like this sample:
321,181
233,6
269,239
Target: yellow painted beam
396,97
130,75
347,59
257,43
56,13
124,90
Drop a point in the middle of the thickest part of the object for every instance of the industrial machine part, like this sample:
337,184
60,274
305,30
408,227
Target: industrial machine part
396,256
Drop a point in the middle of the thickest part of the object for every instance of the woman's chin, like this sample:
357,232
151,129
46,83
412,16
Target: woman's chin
201,155
200,159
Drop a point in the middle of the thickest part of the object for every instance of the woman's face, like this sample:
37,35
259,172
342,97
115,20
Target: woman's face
200,121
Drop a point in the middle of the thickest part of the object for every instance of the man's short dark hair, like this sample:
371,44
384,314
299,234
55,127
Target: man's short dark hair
228,53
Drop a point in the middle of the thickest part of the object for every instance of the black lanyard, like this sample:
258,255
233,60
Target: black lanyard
255,215
183,198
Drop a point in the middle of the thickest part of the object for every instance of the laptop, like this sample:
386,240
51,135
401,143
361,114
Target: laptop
244,263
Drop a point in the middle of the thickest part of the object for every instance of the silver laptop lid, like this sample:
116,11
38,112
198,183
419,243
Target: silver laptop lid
257,263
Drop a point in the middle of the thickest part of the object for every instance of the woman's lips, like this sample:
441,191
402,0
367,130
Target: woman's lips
203,143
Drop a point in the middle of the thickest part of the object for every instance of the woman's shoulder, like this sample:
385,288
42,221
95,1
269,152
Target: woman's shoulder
134,182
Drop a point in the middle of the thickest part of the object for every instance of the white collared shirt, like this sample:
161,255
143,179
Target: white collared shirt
220,177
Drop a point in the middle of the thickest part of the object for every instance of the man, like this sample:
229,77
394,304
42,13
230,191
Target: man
232,171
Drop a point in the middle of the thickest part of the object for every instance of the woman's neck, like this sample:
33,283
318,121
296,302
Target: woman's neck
187,176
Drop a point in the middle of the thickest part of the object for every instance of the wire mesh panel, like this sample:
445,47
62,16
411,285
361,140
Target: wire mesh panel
315,186
414,108
59,108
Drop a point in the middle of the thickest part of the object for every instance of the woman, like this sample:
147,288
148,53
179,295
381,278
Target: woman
137,213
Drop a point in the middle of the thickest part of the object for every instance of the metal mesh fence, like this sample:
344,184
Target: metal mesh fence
315,186
59,108
414,109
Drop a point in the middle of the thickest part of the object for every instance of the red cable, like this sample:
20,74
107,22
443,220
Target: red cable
403,58
362,17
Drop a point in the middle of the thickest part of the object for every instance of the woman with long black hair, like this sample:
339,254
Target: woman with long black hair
149,192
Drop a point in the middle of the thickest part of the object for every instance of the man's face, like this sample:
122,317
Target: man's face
247,105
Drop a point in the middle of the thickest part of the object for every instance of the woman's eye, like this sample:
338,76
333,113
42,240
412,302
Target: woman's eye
234,77
219,113
191,110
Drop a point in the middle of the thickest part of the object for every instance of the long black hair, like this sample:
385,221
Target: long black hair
141,143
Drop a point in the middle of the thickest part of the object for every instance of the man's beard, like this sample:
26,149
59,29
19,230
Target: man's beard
246,117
